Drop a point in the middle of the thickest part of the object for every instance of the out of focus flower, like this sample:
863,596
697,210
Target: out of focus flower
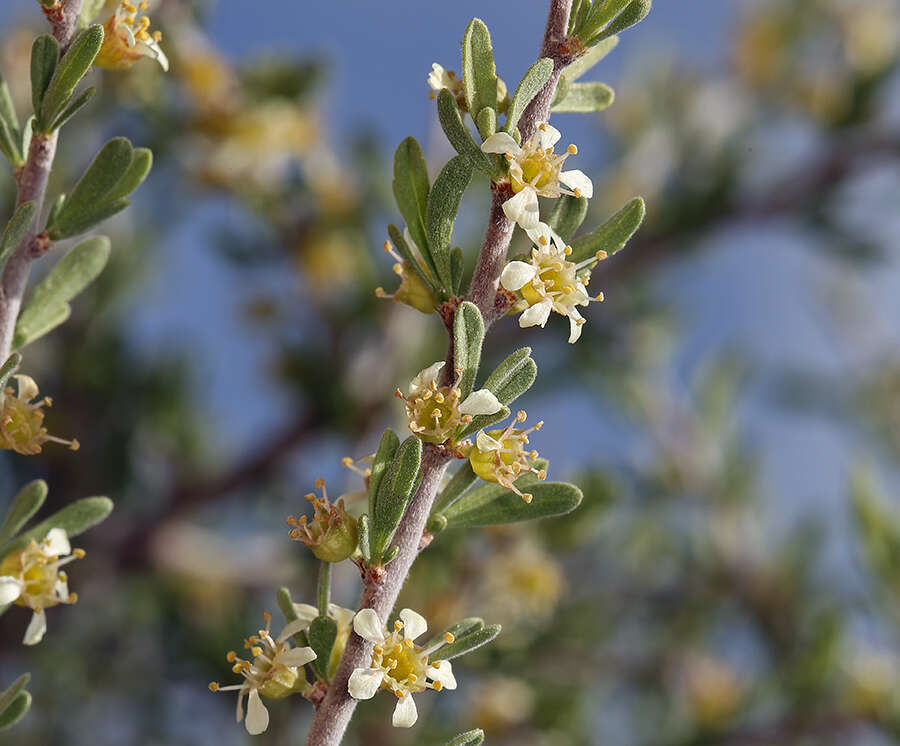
534,169
22,419
435,413
713,690
398,664
550,282
501,703
873,679
500,456
32,577
275,671
332,534
127,38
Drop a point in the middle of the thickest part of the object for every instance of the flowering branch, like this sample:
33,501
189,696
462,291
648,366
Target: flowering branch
333,715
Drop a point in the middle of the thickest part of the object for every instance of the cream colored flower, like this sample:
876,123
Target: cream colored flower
500,456
550,282
534,169
22,419
276,672
398,664
32,577
440,78
436,413
127,38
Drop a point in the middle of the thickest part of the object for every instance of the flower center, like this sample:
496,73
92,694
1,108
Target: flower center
538,170
403,663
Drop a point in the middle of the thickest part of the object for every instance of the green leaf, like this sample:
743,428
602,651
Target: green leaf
81,223
71,275
69,72
7,369
457,267
460,629
89,11
322,635
73,108
562,88
75,518
362,526
44,59
9,694
40,324
8,108
493,504
460,482
513,377
469,738
458,134
613,234
9,145
390,555
568,215
443,204
16,230
600,14
141,163
467,643
16,710
632,15
584,98
96,190
384,456
24,506
411,190
594,55
468,336
394,493
479,70
535,79
55,208
486,121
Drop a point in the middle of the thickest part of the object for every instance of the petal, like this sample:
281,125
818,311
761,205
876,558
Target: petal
537,315
414,624
57,542
500,143
257,715
296,657
343,617
292,628
368,626
10,589
523,208
306,612
405,714
425,377
486,443
27,388
37,628
542,230
480,402
547,135
407,236
577,180
443,672
516,275
574,330
240,705
364,682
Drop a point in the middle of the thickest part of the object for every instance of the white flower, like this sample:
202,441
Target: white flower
32,577
127,38
534,169
550,282
276,671
500,456
398,664
435,412
440,78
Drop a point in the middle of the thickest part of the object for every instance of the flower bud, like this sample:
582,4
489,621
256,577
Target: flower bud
332,534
